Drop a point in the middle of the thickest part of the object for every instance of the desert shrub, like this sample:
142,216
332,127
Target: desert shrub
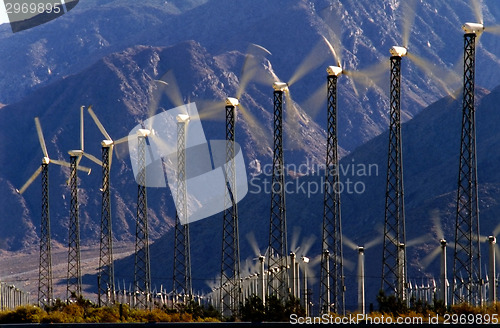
28,314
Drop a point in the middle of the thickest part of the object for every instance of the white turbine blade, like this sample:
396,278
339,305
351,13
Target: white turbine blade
58,162
348,264
84,169
78,160
477,7
93,158
306,245
253,243
40,137
295,239
426,261
99,124
419,240
81,127
349,243
121,140
374,242
437,224
496,231
30,180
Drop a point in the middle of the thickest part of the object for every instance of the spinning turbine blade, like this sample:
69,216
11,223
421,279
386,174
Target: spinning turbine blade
58,162
418,240
437,224
30,180
253,243
93,159
171,89
332,49
492,29
121,140
306,245
257,131
316,103
98,123
250,66
374,242
477,7
496,231
408,16
426,261
295,239
313,60
211,110
349,243
435,73
40,137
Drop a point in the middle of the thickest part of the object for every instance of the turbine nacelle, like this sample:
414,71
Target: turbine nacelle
143,133
280,86
107,143
443,242
75,153
398,51
182,118
46,160
492,239
473,28
361,249
334,70
230,101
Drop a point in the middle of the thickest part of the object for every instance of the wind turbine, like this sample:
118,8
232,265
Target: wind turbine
45,289
439,250
106,281
74,285
467,261
360,249
262,285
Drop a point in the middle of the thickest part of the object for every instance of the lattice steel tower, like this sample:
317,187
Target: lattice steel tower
182,283
74,286
332,290
106,273
142,272
45,291
466,260
394,249
277,259
230,291
106,278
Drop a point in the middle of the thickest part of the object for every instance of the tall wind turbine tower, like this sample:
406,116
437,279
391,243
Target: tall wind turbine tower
182,283
394,249
45,288
74,285
277,259
467,260
332,291
142,272
230,291
106,282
